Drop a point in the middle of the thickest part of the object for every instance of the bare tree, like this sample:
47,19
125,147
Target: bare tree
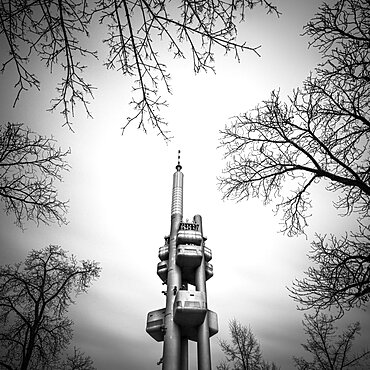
279,150
329,350
223,366
78,361
56,32
244,351
269,366
340,275
29,166
34,300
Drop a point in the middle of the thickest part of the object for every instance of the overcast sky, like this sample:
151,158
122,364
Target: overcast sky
120,194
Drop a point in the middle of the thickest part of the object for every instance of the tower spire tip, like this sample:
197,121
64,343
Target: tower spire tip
178,167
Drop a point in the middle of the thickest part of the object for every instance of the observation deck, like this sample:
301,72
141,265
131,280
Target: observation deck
189,308
156,329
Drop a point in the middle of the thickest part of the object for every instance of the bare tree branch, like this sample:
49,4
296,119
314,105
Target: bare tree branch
52,31
342,275
29,166
56,31
324,131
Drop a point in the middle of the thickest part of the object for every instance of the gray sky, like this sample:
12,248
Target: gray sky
120,193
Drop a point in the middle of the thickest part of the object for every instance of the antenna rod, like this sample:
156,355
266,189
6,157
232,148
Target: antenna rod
178,167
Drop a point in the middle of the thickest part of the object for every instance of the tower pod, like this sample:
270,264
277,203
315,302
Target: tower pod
189,236
163,253
155,324
209,270
189,255
189,308
212,323
162,270
207,253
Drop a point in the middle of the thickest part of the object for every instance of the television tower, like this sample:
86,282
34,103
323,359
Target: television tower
184,261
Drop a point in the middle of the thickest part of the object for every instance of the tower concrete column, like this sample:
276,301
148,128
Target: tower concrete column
203,345
184,354
172,337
